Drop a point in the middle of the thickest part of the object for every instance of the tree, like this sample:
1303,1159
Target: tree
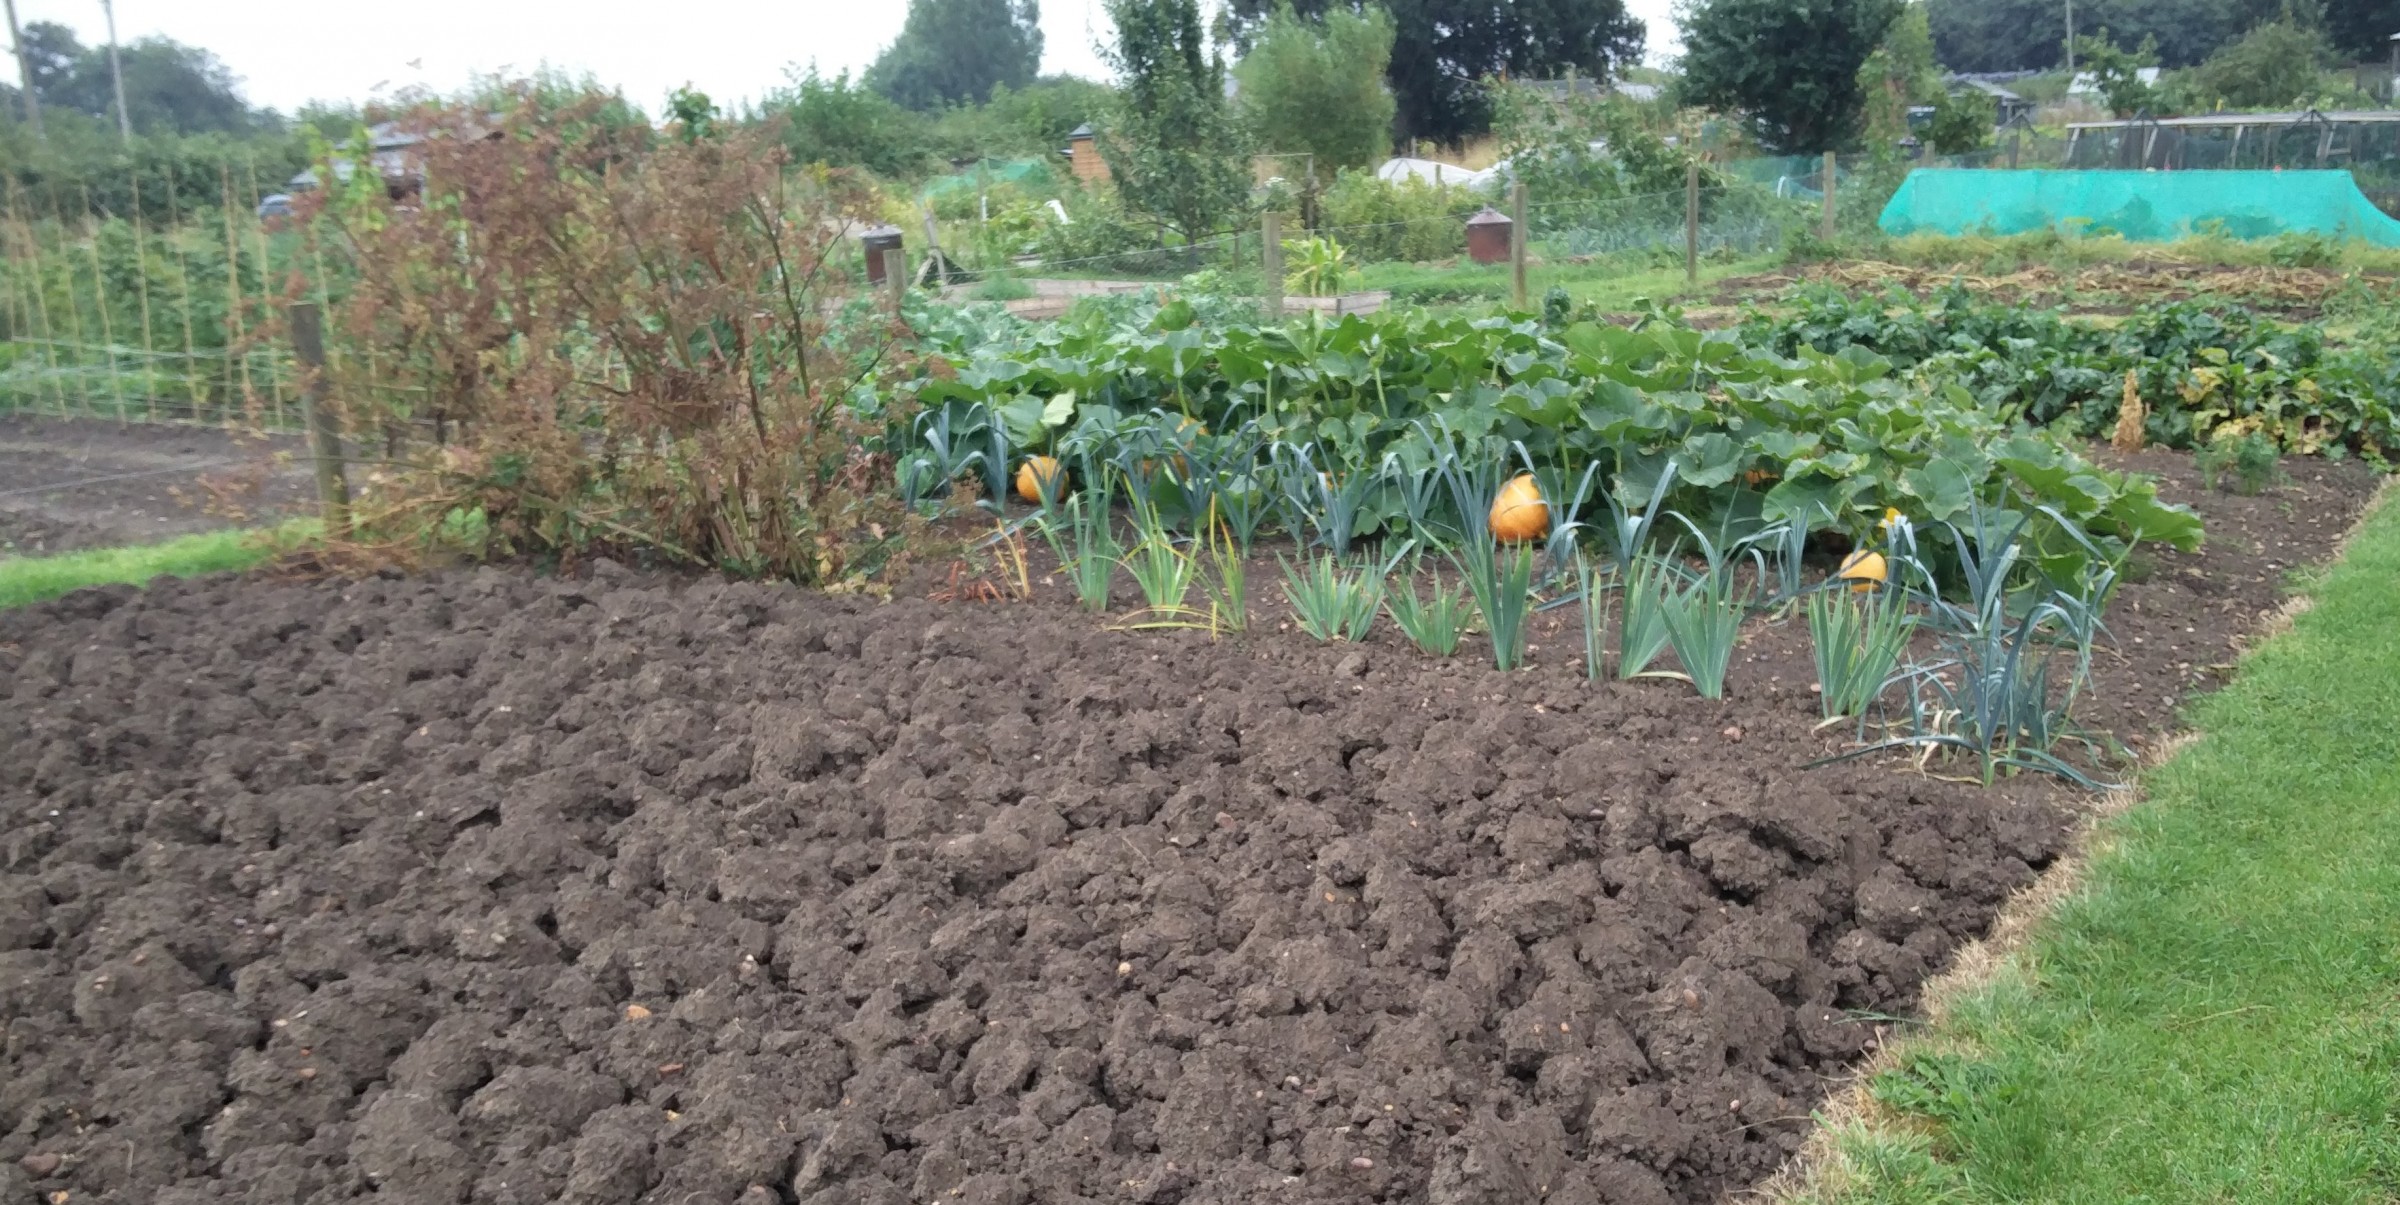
169,87
2280,63
1317,86
1962,122
2006,35
1444,50
842,124
1789,67
2363,27
1900,73
1171,140
954,52
2117,74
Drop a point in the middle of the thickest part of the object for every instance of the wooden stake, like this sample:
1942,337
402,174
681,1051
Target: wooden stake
1825,224
58,214
141,277
183,279
895,277
41,301
324,426
258,234
108,326
234,333
1516,243
1270,262
1691,224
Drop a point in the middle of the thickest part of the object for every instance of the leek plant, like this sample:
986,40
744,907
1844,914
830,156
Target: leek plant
1096,553
1434,624
1642,620
1229,590
1331,602
1163,571
1594,594
1501,581
1858,637
1704,618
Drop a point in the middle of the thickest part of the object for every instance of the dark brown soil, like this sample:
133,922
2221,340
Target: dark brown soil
2105,288
67,484
495,888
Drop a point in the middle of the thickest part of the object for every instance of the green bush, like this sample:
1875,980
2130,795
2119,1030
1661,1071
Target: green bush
1411,221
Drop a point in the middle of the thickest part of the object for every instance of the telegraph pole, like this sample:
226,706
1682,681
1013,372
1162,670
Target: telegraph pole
16,39
2070,45
116,73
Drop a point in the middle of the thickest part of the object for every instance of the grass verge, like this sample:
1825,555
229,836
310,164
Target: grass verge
2214,1014
33,579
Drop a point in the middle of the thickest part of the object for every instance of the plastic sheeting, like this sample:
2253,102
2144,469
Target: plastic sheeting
2142,206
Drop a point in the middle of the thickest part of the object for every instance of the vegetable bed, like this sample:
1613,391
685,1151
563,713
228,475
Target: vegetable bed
497,888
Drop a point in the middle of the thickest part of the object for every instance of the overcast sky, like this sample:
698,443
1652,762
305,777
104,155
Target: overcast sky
288,53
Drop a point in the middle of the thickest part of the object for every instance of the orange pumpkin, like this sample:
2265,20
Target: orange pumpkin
1519,512
1035,475
1182,424
1864,570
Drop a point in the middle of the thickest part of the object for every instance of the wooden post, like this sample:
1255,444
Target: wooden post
1691,224
1270,259
895,276
2014,137
1516,242
1825,224
324,427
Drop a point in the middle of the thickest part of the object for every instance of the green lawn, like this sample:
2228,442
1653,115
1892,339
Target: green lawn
2215,1015
32,579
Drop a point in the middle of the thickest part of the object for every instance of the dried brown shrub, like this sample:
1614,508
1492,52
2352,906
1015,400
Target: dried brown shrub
588,334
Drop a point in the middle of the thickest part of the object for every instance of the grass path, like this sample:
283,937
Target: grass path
2215,1015
33,579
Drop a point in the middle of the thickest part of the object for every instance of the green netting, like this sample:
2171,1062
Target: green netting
1032,173
2144,206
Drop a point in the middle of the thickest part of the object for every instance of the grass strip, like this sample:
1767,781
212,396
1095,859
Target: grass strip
31,579
2214,1015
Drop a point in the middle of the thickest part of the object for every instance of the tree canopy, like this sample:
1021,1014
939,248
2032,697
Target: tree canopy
1791,68
2006,35
1317,86
2278,64
953,52
169,87
1443,50
1171,140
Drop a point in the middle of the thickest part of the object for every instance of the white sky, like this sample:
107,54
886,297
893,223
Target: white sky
287,53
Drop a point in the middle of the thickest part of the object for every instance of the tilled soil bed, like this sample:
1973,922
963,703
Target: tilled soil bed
495,888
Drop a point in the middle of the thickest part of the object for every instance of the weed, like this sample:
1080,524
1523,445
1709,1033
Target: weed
2247,463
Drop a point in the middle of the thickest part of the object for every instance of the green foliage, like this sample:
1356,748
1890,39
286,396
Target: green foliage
2116,73
1704,618
1171,141
1316,267
2198,367
2245,462
1834,439
953,52
170,88
1443,51
1790,68
1858,639
2007,35
839,123
1642,628
1316,86
1434,623
31,579
1901,72
1411,221
1962,123
1332,602
2279,64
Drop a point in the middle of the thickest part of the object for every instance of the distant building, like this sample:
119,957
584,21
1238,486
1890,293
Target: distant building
2009,105
1083,155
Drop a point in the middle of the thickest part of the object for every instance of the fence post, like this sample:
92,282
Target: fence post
2013,138
1270,262
1516,241
1691,224
895,277
324,427
1825,224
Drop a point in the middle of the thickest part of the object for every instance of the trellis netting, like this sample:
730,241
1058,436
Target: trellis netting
2143,206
